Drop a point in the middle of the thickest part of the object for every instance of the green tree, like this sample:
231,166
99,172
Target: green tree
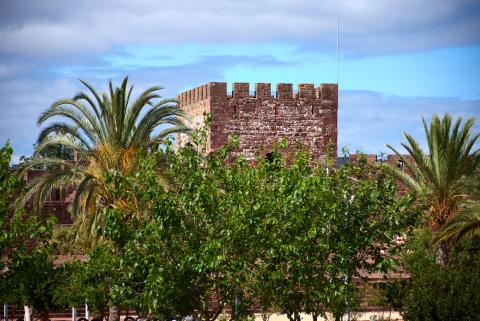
89,281
465,224
105,132
444,176
340,222
27,274
441,293
281,234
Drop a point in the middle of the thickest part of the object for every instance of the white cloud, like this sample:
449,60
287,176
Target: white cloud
44,45
59,27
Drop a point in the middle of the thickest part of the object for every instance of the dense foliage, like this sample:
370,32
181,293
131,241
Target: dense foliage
88,281
279,236
175,233
436,293
27,274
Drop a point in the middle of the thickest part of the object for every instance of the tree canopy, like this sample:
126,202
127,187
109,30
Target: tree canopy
278,236
27,274
105,132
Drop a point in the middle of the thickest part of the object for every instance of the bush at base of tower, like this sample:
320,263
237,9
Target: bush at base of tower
442,293
279,236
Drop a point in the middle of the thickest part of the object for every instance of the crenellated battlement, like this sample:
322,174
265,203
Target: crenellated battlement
193,95
262,91
260,117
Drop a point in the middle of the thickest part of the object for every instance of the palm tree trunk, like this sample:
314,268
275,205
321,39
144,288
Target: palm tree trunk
113,313
442,254
28,313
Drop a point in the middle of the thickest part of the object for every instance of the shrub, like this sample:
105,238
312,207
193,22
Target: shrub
442,293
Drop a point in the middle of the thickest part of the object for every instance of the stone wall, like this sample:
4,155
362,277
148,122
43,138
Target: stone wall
307,117
57,201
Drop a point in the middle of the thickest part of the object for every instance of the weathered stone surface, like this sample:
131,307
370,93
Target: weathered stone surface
308,118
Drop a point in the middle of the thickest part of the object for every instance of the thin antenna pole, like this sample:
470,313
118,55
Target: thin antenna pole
338,50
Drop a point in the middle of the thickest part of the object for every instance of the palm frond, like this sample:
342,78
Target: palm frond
42,186
83,190
60,110
164,133
107,131
100,102
61,129
465,224
167,115
44,162
61,140
444,174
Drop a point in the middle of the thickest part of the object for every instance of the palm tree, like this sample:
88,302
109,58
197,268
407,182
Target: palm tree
105,132
465,224
445,176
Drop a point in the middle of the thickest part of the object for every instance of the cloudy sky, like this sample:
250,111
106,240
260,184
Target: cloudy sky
399,59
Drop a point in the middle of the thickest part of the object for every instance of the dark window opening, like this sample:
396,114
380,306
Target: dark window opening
400,165
273,160
270,157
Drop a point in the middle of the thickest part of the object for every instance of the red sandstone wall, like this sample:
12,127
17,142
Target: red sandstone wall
308,117
56,203
195,102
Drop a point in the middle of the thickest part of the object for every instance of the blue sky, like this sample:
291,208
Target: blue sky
398,59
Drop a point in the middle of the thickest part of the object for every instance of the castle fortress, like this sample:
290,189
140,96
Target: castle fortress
307,117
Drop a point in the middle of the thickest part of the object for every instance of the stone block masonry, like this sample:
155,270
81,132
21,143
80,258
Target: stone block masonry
307,117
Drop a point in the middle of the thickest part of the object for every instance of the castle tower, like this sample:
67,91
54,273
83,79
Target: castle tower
307,117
